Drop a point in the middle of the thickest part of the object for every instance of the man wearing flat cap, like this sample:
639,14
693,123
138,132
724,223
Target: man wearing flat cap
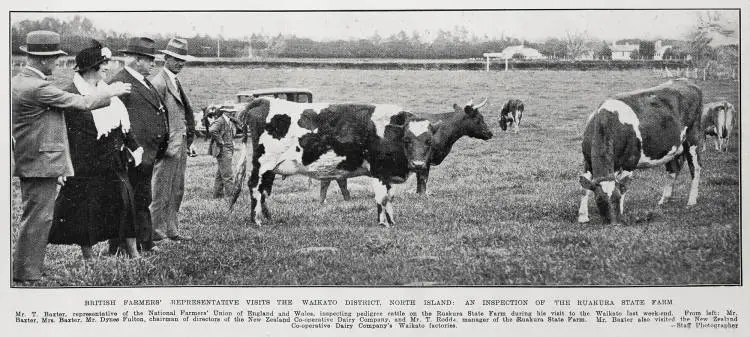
41,152
168,184
148,119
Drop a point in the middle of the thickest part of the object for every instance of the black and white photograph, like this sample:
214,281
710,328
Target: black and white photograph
475,147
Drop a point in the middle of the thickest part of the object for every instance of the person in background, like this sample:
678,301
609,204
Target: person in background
168,183
41,145
148,118
222,132
96,204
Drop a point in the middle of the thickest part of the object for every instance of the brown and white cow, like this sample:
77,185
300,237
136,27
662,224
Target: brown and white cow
646,128
511,114
718,121
333,141
446,128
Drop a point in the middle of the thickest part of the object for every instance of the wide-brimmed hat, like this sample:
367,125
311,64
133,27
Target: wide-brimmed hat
43,43
92,56
140,46
177,48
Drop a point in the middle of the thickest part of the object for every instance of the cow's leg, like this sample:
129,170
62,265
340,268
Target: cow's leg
422,176
583,208
324,183
344,190
673,168
266,183
695,171
383,199
516,121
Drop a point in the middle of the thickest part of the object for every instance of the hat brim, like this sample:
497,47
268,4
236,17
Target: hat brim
178,56
42,53
125,51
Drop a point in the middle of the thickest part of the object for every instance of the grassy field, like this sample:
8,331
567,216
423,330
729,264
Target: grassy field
501,212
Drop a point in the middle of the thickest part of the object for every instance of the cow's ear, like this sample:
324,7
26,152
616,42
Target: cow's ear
586,183
432,128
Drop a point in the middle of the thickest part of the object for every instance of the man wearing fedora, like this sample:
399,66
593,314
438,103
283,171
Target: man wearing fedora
41,152
168,183
148,119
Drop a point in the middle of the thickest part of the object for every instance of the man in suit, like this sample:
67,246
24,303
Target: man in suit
148,119
168,183
222,147
41,152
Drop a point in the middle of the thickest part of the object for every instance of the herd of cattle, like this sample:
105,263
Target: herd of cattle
663,125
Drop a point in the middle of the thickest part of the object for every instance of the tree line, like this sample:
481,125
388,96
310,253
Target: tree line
76,34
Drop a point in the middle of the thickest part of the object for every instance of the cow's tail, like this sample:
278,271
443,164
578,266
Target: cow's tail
240,171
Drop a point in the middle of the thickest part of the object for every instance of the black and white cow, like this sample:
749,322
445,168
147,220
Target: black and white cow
511,114
718,121
646,128
447,128
333,141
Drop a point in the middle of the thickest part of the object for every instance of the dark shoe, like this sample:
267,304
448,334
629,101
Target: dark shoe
179,237
158,238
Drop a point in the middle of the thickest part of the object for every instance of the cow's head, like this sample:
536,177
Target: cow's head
472,123
418,143
608,193
504,121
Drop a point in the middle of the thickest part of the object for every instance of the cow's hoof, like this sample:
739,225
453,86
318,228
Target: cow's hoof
583,219
384,224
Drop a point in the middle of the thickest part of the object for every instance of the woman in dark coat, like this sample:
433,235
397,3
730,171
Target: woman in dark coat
96,204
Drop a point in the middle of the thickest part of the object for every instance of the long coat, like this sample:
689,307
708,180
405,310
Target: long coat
222,136
97,203
41,140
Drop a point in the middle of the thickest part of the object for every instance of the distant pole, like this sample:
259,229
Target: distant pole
218,47
506,64
488,63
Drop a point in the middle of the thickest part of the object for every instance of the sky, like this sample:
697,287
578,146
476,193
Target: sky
321,26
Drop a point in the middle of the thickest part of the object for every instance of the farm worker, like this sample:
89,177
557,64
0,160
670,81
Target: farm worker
148,124
222,132
168,183
41,152
96,204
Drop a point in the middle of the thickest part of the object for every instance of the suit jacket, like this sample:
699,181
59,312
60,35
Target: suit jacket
39,131
92,156
222,136
179,107
148,117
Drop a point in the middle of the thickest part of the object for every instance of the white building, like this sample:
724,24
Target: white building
623,51
660,50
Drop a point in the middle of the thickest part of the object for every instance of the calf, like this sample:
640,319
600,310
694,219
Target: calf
511,114
718,121
446,129
655,126
333,141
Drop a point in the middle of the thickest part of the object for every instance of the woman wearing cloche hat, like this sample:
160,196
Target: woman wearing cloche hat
97,203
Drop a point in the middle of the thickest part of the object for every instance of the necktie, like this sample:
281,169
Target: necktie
182,92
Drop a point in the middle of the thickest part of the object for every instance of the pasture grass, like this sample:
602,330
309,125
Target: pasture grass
500,212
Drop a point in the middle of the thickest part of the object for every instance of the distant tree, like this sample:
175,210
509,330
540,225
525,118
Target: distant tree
575,44
604,52
646,50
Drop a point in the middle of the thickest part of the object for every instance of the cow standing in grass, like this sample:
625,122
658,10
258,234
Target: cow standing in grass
646,128
332,141
446,129
718,121
511,114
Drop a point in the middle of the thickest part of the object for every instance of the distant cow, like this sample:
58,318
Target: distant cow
447,128
511,114
718,121
655,126
332,141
